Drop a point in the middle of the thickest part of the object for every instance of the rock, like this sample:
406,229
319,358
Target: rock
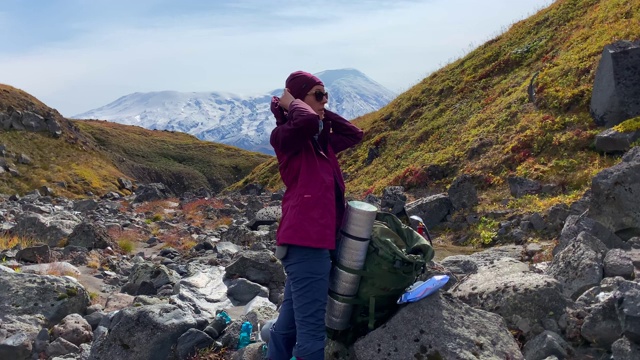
136,333
519,186
260,267
580,265
623,349
618,263
463,193
60,346
243,291
35,254
616,86
192,341
546,345
151,192
393,199
613,196
90,236
612,141
432,209
427,329
507,288
575,224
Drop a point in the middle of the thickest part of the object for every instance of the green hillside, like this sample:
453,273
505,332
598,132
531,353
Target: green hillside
474,116
92,155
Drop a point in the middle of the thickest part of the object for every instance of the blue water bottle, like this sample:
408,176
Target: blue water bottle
245,335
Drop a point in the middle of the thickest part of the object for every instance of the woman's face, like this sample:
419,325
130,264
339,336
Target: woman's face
317,98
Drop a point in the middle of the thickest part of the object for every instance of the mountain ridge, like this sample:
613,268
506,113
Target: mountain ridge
243,121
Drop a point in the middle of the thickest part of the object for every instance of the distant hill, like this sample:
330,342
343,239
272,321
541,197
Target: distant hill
92,155
475,116
245,122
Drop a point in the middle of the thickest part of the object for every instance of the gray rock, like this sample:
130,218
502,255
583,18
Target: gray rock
580,265
618,263
17,346
519,186
393,199
411,333
147,332
628,309
616,88
432,209
463,193
602,327
258,266
509,289
612,141
158,275
74,329
49,230
243,290
35,254
192,341
623,349
546,345
576,224
60,346
614,192
204,291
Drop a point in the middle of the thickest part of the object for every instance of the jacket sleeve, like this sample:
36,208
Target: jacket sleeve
343,133
302,125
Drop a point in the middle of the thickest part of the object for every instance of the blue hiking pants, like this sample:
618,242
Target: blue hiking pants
300,329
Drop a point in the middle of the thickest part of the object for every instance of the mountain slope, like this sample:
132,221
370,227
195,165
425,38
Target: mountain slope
474,116
226,118
91,156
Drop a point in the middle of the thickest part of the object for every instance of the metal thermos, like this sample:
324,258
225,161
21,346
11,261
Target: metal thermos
351,253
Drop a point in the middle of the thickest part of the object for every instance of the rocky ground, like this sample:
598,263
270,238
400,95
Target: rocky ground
143,277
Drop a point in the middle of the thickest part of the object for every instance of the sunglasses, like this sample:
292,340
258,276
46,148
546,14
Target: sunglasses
319,95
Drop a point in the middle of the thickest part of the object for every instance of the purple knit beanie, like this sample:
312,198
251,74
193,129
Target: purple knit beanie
299,83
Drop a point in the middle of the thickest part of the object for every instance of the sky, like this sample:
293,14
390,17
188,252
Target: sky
77,55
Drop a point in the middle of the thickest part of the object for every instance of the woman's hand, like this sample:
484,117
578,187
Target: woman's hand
286,99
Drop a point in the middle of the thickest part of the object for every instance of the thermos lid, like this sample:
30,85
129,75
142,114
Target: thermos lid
361,205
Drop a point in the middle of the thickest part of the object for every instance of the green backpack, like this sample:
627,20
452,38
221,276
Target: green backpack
396,255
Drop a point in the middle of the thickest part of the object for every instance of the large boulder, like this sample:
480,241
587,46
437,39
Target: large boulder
29,303
526,300
463,193
616,87
429,328
50,230
580,265
204,291
614,193
432,209
143,333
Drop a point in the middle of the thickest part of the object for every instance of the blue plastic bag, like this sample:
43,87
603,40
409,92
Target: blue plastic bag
422,289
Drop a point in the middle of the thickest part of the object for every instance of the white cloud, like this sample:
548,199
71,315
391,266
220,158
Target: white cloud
396,44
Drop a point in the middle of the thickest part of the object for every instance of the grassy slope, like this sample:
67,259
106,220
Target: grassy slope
171,157
473,116
91,155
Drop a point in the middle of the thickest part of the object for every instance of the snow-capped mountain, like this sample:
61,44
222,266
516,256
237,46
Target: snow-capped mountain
242,121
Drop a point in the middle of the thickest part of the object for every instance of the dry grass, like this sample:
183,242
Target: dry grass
179,240
59,269
198,212
211,354
11,241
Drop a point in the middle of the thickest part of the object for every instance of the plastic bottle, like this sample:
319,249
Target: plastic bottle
245,334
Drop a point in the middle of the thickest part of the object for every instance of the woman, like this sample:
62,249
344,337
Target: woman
306,139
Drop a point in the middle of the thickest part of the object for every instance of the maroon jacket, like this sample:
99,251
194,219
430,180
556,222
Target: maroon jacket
311,209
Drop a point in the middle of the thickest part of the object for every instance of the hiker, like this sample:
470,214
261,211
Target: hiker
306,139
